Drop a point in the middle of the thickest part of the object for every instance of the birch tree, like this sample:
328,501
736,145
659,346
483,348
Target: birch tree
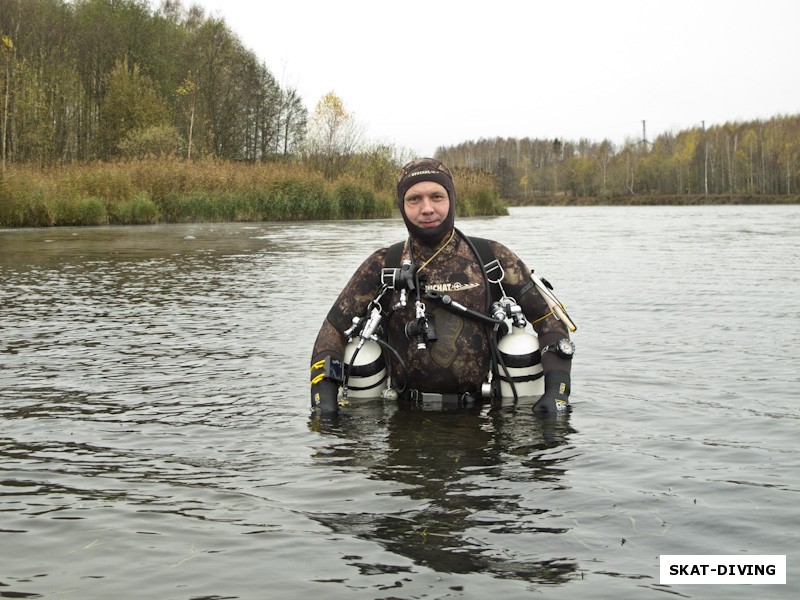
333,136
7,48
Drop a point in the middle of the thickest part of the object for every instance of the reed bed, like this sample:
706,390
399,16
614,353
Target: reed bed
171,190
477,194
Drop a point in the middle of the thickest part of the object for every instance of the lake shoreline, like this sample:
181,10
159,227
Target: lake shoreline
657,200
212,207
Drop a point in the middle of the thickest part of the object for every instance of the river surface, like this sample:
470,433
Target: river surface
156,440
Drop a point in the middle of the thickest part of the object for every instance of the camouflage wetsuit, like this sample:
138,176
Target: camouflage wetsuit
458,361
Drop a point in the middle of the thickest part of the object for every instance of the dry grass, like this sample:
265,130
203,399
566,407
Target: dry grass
207,190
174,190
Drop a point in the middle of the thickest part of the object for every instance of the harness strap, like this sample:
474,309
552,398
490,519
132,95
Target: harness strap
394,256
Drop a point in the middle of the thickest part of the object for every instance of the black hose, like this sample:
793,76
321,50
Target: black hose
501,363
352,361
447,302
496,358
386,346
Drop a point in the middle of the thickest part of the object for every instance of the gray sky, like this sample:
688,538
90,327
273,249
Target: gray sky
424,74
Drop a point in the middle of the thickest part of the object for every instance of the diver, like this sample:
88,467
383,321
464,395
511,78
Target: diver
437,305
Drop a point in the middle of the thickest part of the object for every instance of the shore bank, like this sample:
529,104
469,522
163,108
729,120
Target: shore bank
657,200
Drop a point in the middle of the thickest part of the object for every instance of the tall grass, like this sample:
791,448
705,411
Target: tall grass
208,190
476,194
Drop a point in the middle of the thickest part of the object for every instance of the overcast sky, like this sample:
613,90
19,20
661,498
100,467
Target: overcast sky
424,74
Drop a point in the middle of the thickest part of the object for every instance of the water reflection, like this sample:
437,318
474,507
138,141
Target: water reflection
475,477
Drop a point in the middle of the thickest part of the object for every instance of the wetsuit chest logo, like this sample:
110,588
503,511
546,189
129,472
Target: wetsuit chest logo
450,287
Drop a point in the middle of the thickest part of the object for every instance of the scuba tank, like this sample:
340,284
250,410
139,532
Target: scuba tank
365,369
520,353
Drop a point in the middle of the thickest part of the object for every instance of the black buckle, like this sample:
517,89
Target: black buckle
436,401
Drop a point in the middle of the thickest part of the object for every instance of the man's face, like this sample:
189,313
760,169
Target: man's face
426,204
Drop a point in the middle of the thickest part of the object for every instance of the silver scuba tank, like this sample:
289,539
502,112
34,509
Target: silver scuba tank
367,375
520,353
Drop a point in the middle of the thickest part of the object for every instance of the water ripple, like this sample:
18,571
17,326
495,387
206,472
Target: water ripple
156,439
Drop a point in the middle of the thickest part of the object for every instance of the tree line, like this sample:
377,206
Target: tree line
754,158
102,79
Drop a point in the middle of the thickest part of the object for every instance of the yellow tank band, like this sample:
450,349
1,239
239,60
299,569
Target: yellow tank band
318,365
318,378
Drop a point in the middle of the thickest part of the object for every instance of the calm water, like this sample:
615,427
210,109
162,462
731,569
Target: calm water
155,439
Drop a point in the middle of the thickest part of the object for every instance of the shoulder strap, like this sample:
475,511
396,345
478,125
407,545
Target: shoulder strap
394,255
392,260
484,249
486,256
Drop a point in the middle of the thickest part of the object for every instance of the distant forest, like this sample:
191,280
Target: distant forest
756,158
103,80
